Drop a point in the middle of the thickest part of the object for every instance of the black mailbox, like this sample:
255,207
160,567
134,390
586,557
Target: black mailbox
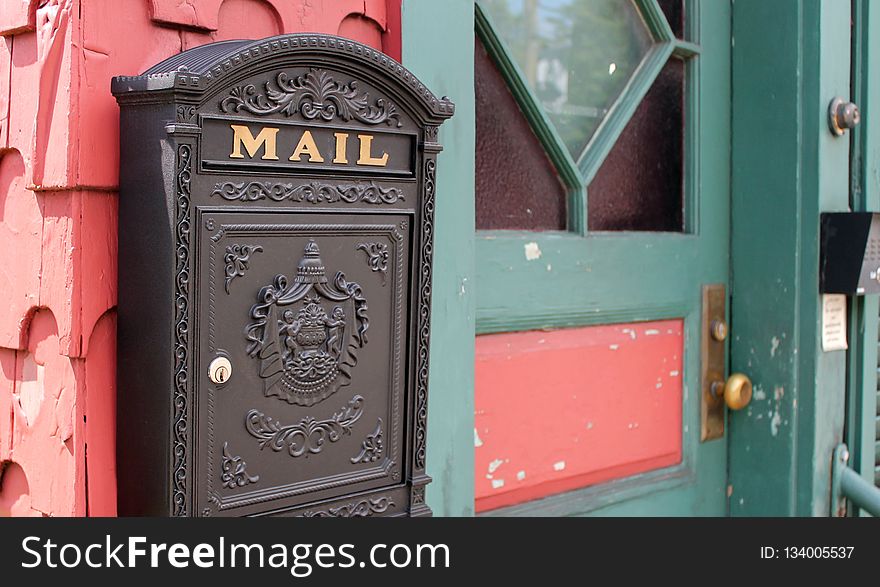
850,258
276,226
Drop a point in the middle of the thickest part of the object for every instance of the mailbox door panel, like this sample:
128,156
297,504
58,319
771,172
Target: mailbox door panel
301,375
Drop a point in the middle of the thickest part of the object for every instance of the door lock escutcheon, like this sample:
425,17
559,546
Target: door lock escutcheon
734,392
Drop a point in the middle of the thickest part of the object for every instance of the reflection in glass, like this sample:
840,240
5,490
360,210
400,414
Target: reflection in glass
576,55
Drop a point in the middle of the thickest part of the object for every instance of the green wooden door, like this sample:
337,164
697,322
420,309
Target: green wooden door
638,240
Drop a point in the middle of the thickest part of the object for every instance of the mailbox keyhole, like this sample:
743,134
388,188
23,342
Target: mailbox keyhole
220,370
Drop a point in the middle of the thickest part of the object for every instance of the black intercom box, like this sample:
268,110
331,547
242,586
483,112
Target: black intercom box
850,259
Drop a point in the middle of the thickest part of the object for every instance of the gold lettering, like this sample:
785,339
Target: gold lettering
341,146
242,136
307,146
366,157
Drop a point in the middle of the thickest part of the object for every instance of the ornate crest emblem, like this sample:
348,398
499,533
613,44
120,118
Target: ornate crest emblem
306,334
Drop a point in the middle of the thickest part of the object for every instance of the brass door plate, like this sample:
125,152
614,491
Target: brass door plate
712,355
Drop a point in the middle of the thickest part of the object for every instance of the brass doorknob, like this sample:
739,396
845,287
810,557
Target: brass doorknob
737,392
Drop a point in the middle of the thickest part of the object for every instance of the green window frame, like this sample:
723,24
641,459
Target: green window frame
577,173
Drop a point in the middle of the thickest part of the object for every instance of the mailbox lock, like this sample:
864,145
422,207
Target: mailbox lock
220,370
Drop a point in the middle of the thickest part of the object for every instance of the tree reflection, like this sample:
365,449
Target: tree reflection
576,55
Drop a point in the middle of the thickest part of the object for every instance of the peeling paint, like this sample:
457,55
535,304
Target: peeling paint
774,346
533,251
652,332
775,423
497,483
629,434
478,442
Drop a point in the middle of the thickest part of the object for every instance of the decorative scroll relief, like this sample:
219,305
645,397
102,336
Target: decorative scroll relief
180,440
186,113
418,495
306,334
308,436
371,448
424,320
377,256
313,95
357,509
314,192
233,471
237,261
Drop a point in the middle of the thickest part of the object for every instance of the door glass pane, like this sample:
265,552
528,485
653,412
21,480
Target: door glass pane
576,55
640,184
517,185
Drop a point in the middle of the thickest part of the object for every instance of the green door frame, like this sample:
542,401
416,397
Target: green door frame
790,58
438,47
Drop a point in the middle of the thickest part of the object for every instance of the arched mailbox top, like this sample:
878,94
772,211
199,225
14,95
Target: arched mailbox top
208,69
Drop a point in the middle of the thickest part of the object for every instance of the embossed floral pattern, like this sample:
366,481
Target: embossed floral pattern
313,95
308,436
314,192
237,261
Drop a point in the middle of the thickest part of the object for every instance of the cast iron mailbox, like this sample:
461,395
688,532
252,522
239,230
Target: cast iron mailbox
276,232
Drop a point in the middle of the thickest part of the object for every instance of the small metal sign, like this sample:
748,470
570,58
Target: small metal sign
276,227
